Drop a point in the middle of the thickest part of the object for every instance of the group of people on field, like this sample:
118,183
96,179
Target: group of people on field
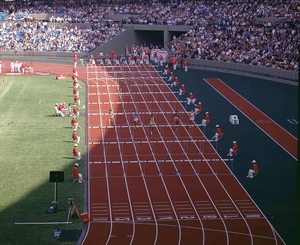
74,124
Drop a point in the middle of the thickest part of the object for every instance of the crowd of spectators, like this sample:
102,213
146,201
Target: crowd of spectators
232,37
44,36
222,30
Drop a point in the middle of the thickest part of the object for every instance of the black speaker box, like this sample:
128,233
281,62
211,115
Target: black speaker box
57,176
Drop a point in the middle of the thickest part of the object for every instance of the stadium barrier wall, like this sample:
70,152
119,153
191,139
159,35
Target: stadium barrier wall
244,68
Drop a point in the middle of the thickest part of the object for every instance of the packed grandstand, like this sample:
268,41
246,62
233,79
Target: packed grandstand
262,33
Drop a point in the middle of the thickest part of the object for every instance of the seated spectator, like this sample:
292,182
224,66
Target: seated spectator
75,137
191,99
198,108
76,153
58,112
254,171
206,120
234,150
74,123
77,176
218,135
182,90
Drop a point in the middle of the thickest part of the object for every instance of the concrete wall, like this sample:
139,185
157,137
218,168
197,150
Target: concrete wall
243,68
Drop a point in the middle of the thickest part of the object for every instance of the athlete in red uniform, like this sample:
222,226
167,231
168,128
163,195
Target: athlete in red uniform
234,150
182,90
218,135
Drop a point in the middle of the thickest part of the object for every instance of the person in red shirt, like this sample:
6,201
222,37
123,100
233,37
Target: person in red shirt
127,51
112,53
76,111
206,120
191,99
22,68
234,150
182,90
75,60
75,137
131,60
167,70
75,73
76,100
161,60
60,107
218,135
77,176
76,84
198,108
207,117
175,82
76,153
75,92
174,62
74,123
155,57
254,171
171,77
92,60
185,65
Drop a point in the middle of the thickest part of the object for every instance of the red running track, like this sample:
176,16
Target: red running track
167,188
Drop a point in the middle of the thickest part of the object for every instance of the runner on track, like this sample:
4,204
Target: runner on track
110,118
135,118
192,118
151,123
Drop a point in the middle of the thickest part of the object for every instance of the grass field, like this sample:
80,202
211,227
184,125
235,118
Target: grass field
33,143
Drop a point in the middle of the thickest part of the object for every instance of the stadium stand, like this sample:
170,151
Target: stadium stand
223,30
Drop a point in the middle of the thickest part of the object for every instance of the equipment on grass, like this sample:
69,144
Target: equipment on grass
55,176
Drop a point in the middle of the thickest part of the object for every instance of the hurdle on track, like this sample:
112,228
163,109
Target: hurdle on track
161,128
128,93
156,147
171,167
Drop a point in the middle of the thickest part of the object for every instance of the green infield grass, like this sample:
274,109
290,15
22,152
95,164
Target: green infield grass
33,143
